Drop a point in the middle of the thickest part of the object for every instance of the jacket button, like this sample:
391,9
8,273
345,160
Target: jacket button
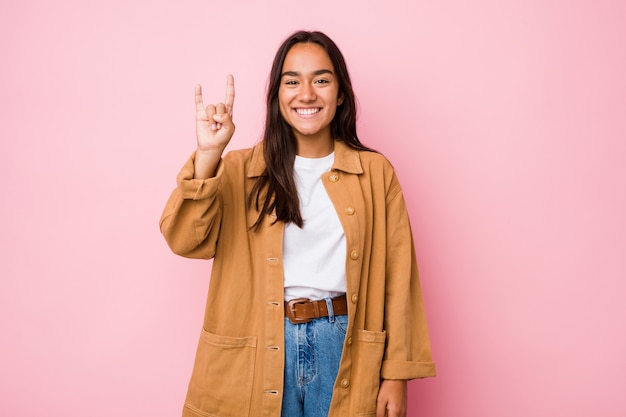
349,341
345,383
333,177
349,211
354,255
354,298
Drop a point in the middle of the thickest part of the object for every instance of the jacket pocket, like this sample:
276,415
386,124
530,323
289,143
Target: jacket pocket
221,382
369,354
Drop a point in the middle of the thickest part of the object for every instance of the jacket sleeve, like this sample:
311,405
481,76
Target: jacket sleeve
191,218
407,353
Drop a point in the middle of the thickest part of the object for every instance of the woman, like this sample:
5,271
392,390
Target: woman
314,306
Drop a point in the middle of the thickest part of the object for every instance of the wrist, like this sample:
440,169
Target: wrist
210,152
205,162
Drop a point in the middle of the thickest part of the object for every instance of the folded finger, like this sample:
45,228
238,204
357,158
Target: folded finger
210,112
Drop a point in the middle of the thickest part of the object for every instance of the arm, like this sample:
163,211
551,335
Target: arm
191,218
407,352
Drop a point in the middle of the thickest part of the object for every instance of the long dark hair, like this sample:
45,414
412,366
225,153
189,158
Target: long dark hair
276,188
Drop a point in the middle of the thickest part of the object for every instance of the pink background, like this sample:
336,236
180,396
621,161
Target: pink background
506,121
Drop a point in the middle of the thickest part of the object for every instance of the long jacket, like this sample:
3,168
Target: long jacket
238,369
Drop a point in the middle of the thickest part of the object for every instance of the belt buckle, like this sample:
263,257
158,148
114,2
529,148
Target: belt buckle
291,310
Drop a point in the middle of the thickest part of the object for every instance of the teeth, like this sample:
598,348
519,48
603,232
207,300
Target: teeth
307,111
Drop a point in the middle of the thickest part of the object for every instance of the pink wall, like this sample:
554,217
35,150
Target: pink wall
506,122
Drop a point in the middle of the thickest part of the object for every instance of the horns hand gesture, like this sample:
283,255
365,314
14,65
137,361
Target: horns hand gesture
214,123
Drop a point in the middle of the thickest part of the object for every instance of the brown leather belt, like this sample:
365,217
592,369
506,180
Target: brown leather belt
303,310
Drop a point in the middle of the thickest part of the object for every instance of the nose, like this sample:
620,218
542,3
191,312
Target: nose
307,92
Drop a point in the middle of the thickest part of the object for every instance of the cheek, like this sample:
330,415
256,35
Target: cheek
283,101
284,110
335,98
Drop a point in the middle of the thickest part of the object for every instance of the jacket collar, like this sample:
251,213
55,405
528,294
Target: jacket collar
346,159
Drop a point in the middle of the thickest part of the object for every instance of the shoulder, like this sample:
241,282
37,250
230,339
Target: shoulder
238,159
239,155
379,172
245,163
356,161
377,166
375,160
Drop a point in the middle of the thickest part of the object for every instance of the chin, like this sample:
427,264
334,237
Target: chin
308,134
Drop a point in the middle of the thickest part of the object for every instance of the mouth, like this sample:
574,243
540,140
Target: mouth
310,111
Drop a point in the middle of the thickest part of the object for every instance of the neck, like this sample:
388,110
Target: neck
314,148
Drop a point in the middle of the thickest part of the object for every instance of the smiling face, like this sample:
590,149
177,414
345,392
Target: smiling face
309,95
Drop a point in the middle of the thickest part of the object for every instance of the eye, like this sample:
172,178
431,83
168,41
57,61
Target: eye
291,82
322,81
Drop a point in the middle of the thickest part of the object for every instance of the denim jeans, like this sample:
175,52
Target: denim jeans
312,354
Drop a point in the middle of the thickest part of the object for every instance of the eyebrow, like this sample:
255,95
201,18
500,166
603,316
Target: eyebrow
296,73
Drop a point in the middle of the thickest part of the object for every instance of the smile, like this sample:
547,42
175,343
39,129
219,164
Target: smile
308,111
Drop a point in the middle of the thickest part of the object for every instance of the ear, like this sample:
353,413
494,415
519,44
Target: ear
340,99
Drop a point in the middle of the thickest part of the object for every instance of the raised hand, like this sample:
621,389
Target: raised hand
214,123
214,129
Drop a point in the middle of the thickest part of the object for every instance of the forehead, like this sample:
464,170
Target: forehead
307,57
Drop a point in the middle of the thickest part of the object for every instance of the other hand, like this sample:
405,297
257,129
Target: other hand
391,400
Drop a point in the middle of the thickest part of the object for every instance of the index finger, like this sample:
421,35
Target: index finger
198,96
230,94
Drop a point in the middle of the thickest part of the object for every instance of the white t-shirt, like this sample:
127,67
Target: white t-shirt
314,257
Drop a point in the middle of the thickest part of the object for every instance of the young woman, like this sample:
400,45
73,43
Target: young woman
314,307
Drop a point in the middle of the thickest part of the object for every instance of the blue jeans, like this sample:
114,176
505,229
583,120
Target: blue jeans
312,354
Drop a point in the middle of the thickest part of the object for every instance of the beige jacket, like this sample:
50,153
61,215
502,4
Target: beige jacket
238,369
